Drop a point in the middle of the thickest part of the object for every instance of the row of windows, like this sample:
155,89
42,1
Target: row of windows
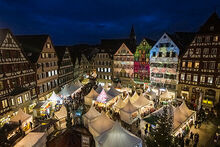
103,56
48,55
207,39
9,54
206,51
104,69
65,63
127,58
65,70
166,76
103,62
9,68
104,77
46,74
167,54
162,85
163,65
48,64
195,78
47,86
206,64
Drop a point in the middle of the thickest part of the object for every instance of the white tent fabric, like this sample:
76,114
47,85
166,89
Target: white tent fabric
100,124
33,139
134,97
150,94
74,87
65,92
142,101
113,92
55,98
120,103
118,137
21,116
166,95
186,110
62,113
90,97
127,111
90,115
103,97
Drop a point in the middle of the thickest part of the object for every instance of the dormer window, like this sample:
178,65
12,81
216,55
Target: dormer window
212,28
48,45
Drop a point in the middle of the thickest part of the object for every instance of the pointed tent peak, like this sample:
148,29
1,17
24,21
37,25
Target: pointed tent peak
103,96
92,113
129,107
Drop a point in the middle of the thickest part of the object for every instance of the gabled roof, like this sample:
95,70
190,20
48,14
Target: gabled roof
150,41
213,20
3,33
32,44
60,51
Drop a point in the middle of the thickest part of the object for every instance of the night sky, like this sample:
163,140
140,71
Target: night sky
87,21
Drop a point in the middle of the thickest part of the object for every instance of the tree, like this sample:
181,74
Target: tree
161,136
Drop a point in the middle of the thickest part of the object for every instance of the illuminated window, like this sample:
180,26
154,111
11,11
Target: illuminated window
196,65
4,103
183,64
109,69
19,100
188,77
48,45
206,51
210,80
215,38
202,79
189,64
1,85
195,78
55,72
182,77
49,73
26,96
105,69
12,102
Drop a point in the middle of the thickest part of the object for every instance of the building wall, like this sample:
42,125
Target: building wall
142,63
17,78
163,63
124,65
66,69
104,68
47,73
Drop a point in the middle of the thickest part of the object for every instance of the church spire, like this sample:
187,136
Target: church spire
132,33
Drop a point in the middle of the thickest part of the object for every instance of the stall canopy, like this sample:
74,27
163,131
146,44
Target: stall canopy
150,94
103,97
99,89
33,139
20,116
100,124
118,85
142,101
127,111
166,95
55,98
91,114
118,137
120,103
134,97
65,91
113,92
62,113
74,87
91,96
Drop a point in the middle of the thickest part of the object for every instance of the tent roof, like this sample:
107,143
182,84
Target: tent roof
119,85
118,136
103,97
99,89
92,94
120,103
113,92
20,116
61,113
73,87
101,123
65,91
134,97
30,139
166,95
186,110
142,101
54,97
129,108
92,113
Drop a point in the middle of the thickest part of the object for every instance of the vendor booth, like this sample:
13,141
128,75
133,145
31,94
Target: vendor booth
167,96
55,100
134,97
118,137
90,97
100,125
113,92
61,117
25,119
75,87
151,94
121,103
99,89
143,104
128,113
65,92
104,99
90,115
33,139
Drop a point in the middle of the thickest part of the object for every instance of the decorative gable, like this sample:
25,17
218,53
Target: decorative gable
9,42
123,50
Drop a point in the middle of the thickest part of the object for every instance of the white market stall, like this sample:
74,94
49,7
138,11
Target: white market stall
65,92
128,113
118,137
167,96
134,97
151,94
104,99
61,117
143,104
55,99
24,118
33,139
90,115
90,97
100,124
120,104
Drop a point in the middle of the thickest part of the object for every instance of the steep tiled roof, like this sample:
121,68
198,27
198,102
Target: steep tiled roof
32,44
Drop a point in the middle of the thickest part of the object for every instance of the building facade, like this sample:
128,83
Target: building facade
65,66
40,51
142,62
163,63
17,78
199,78
123,66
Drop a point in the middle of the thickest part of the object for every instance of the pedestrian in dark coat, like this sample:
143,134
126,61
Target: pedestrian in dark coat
191,136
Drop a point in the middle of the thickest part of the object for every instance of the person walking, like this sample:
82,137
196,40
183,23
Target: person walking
195,124
191,135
